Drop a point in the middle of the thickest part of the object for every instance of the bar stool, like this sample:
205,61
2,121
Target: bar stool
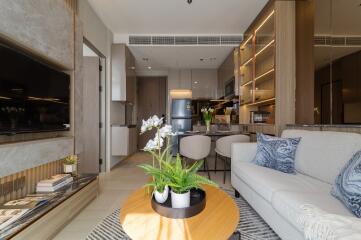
223,149
196,148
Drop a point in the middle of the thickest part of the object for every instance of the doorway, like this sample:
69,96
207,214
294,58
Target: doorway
151,101
94,96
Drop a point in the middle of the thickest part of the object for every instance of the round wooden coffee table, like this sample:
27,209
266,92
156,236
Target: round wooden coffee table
217,221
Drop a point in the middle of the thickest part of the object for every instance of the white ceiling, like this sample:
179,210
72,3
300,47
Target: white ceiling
176,17
164,57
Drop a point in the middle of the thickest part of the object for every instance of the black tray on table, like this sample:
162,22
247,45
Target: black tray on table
197,204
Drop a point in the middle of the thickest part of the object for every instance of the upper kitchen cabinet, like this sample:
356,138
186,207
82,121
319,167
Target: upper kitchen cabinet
123,74
179,79
228,75
204,83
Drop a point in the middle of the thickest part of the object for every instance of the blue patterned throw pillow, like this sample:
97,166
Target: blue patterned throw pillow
347,187
276,153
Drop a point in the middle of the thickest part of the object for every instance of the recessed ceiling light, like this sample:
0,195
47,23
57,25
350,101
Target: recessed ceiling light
132,67
210,59
149,67
195,82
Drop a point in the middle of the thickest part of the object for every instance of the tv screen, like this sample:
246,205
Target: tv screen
33,96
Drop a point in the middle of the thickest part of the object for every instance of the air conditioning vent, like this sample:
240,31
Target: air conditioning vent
186,40
140,40
319,40
209,40
168,40
163,40
337,41
354,41
231,40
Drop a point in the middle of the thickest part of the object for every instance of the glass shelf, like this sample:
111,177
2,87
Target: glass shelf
264,90
246,73
246,94
264,60
246,49
265,32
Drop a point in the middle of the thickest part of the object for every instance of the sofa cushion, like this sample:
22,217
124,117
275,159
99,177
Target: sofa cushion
266,181
276,153
288,204
347,186
322,154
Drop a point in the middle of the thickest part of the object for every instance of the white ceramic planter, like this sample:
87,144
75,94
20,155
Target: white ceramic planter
181,200
69,168
161,197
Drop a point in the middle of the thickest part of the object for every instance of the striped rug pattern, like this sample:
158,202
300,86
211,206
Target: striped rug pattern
251,226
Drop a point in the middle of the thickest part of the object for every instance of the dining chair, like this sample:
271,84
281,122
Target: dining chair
223,149
196,148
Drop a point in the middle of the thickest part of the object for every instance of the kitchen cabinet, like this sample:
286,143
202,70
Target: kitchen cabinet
204,84
180,79
124,140
123,74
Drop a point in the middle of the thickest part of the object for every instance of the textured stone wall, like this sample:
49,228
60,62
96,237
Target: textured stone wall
16,157
45,27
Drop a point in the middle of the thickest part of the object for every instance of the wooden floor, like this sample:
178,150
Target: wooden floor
115,186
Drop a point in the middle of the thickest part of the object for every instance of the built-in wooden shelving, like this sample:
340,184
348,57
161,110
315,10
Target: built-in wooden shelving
267,68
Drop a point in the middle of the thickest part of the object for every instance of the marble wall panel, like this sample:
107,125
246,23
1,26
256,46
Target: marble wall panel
16,157
44,27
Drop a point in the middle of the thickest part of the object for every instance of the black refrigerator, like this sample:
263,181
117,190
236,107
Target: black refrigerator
181,119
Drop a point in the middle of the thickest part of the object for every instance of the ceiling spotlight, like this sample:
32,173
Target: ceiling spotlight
189,1
149,67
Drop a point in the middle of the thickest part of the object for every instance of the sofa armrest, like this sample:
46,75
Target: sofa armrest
243,152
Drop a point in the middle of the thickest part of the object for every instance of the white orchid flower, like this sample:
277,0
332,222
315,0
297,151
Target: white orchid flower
157,122
150,146
165,131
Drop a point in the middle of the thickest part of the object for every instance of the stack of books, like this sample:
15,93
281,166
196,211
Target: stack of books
54,183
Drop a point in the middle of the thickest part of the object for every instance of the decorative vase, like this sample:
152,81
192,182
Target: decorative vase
161,197
181,200
208,125
69,168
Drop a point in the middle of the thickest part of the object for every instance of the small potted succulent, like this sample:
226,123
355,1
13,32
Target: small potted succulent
207,116
70,163
182,179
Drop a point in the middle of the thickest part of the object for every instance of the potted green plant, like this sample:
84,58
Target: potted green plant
70,164
160,156
207,116
182,179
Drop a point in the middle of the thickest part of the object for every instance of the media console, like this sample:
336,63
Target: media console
47,221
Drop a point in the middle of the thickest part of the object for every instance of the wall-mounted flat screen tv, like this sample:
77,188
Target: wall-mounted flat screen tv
33,96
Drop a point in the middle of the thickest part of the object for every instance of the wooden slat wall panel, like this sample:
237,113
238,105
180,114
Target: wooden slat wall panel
32,176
